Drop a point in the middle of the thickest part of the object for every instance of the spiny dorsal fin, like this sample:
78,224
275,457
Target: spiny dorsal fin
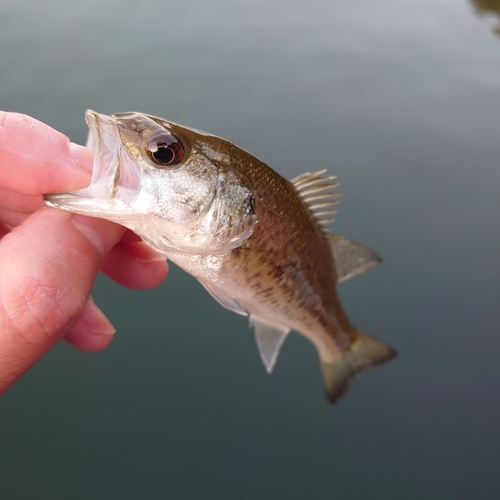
269,338
316,190
351,258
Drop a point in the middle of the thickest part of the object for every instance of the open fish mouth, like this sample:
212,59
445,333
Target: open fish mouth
104,138
99,199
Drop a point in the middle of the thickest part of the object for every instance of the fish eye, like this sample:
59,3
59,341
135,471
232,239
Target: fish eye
165,150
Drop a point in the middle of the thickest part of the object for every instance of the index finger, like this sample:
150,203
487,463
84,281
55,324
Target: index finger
37,159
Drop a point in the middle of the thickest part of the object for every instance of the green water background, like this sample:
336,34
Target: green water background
402,101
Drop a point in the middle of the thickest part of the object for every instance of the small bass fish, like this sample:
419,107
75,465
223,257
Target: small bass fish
257,242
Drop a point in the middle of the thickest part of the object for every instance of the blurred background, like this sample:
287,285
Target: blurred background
401,100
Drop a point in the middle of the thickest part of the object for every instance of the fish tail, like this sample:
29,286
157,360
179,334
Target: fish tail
365,352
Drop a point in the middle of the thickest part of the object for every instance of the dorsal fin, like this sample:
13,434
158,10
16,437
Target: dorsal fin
269,338
351,258
316,190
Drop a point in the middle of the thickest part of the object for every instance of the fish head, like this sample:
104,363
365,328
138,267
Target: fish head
174,186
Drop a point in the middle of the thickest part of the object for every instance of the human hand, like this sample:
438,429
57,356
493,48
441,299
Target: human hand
49,258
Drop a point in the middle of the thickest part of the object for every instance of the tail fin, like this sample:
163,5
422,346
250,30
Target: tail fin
364,353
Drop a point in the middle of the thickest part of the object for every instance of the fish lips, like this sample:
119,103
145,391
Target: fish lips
115,177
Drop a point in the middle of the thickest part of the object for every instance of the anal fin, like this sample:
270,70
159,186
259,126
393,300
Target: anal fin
269,338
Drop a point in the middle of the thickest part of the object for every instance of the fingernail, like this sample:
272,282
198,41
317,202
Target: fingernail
96,320
153,258
144,253
86,226
83,156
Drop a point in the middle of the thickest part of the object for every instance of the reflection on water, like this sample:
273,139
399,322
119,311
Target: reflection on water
489,8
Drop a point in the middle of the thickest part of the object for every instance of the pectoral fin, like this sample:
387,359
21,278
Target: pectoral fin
351,258
269,338
223,298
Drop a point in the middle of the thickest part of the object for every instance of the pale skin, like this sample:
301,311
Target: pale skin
49,258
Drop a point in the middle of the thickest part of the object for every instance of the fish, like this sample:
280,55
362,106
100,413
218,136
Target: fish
258,243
